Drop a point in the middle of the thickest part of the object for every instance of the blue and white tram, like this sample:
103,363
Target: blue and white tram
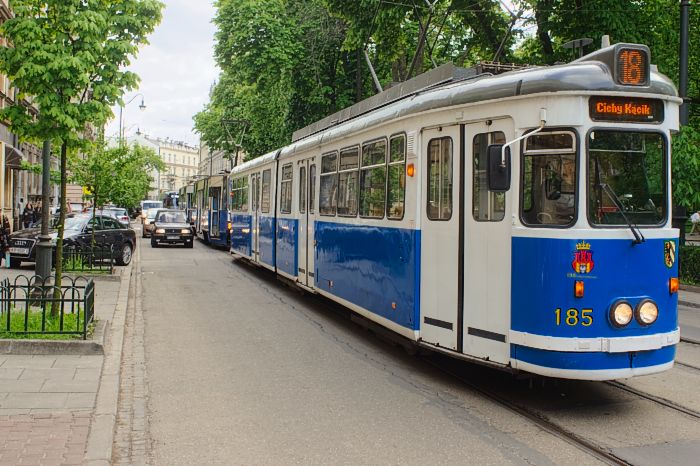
520,220
212,219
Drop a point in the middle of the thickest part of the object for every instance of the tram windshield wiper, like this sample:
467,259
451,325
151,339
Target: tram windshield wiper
638,236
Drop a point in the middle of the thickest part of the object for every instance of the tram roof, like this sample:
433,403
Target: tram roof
453,87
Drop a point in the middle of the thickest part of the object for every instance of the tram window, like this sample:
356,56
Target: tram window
627,170
347,182
302,190
548,190
329,184
440,179
265,198
487,206
286,189
373,179
396,184
312,188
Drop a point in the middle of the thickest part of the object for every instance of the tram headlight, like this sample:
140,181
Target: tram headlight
647,312
621,313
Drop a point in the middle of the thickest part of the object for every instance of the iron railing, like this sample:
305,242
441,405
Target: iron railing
96,258
26,306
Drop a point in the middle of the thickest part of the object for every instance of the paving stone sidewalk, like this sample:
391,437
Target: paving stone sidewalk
47,401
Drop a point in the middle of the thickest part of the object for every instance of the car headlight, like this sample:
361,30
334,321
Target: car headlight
185,231
621,313
647,312
160,231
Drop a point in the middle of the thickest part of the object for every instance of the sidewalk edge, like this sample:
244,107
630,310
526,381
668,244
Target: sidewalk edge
98,451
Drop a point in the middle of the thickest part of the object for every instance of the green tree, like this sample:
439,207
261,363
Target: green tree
69,57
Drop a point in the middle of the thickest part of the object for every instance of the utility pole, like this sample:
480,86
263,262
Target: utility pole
44,247
683,61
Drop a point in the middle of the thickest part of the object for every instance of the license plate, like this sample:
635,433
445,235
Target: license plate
173,237
22,251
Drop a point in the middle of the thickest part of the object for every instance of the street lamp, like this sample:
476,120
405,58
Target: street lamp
121,110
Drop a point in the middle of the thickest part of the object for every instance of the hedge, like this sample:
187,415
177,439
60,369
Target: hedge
690,264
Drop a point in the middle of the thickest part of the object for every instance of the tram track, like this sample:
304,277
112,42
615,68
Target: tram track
654,398
539,419
689,366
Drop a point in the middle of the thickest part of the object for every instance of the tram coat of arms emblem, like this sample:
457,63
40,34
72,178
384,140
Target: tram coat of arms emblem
669,253
583,258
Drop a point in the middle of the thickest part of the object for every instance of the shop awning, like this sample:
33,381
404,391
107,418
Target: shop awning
13,157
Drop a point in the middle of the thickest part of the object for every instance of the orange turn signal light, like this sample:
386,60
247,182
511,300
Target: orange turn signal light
673,285
578,289
410,170
230,226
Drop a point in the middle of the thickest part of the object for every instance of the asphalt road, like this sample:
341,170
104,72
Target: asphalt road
242,370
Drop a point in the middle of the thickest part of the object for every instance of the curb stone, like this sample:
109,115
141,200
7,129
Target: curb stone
93,346
101,436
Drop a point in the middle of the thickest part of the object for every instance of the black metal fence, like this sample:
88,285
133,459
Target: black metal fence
96,258
26,306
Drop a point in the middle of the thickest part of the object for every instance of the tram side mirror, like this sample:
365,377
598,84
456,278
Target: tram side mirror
497,172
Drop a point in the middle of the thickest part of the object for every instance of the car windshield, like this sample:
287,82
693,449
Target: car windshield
151,213
627,174
72,223
171,217
152,205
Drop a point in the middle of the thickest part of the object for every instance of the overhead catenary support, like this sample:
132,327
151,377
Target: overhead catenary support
377,84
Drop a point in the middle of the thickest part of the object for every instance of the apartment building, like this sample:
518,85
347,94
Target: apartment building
181,160
18,186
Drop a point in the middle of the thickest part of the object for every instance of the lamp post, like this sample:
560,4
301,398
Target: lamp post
121,111
44,246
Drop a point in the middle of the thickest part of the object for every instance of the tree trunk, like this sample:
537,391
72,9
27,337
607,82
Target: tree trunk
55,306
542,15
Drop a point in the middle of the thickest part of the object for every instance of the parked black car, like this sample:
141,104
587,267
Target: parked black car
78,231
171,227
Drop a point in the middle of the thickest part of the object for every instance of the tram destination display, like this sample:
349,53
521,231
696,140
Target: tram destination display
626,109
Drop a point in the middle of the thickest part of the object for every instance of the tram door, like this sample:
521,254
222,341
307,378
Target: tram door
214,198
439,233
487,247
307,216
255,215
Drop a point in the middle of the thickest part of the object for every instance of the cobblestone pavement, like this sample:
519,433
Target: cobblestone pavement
131,438
46,404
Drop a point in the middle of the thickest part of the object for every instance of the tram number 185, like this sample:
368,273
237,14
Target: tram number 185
574,317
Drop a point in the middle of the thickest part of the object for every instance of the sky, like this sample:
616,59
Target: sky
177,70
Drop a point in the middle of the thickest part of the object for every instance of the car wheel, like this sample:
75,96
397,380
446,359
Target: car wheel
154,243
125,254
15,263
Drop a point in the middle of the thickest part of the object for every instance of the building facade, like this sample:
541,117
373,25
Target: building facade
18,186
181,161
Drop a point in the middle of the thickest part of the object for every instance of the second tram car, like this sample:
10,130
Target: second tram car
520,220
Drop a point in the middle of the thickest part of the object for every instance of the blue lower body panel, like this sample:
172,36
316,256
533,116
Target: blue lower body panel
375,268
287,245
570,361
266,240
241,234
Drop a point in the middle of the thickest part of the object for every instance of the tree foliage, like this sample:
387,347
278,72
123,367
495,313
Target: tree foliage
69,58
288,63
118,175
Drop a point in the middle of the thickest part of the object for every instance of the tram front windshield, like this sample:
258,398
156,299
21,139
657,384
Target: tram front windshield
626,178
